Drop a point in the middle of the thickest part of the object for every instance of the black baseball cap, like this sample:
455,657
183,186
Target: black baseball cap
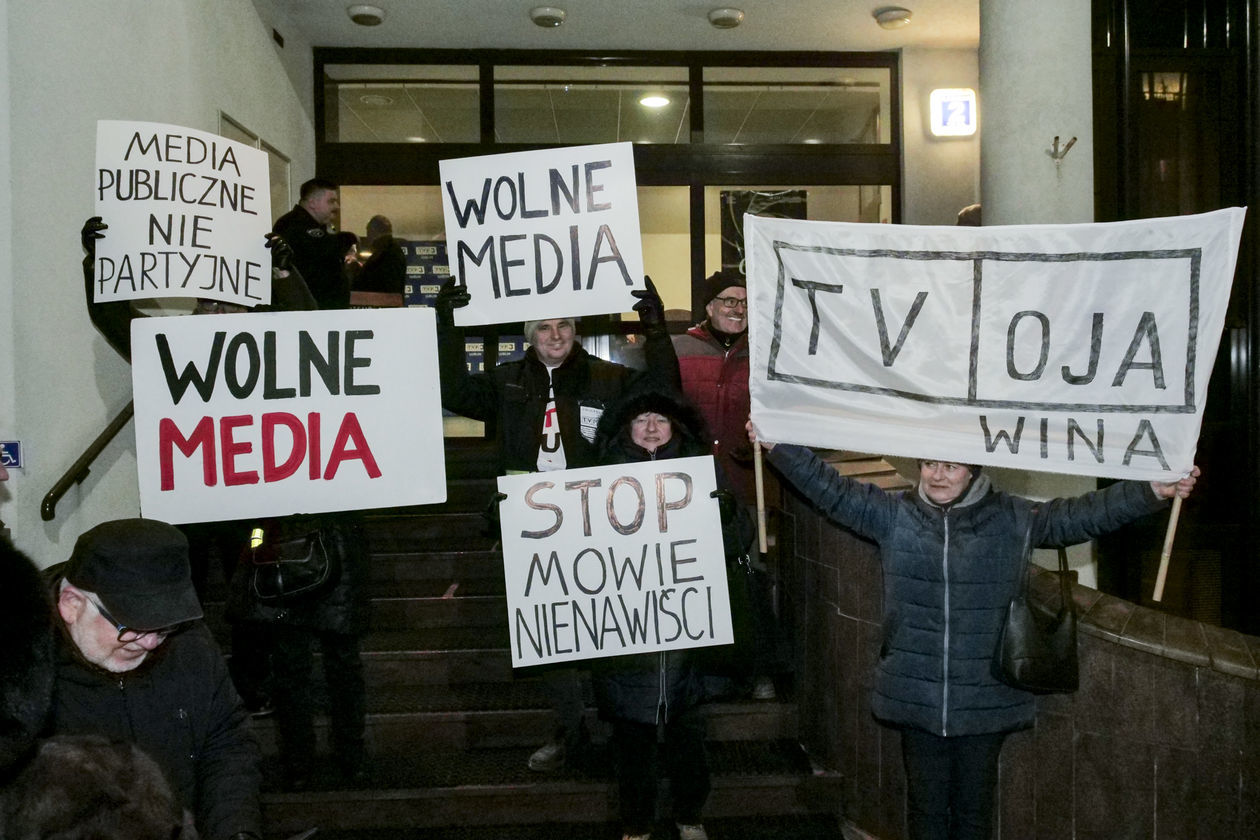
139,569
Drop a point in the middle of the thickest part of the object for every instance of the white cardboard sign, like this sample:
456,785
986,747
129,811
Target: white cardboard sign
269,414
603,561
188,212
1081,349
544,234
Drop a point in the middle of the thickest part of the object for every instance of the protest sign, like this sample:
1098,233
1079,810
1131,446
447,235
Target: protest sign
544,234
268,414
604,561
1081,349
187,213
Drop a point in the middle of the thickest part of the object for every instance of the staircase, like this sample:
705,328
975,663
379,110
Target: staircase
450,727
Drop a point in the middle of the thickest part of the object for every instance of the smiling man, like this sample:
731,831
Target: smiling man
135,663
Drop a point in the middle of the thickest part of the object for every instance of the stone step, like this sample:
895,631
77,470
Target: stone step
778,827
434,788
515,715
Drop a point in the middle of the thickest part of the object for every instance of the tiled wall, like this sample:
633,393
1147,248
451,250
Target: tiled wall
1162,740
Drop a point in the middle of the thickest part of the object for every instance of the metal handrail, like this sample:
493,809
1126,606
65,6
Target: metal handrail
80,469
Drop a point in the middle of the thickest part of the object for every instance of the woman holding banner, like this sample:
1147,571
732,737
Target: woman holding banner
952,556
640,693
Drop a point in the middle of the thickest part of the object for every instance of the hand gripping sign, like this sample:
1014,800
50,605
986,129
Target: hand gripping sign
605,561
187,213
544,234
1082,349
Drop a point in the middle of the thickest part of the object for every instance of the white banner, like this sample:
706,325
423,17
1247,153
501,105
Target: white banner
604,561
1082,349
268,414
552,233
188,212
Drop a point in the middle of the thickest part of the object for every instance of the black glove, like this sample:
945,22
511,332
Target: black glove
650,308
451,296
90,233
281,252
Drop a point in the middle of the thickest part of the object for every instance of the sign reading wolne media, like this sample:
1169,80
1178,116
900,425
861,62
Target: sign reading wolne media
604,561
188,212
1082,349
544,234
268,414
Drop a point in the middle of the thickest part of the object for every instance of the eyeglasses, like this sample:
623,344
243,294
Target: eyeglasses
126,634
732,302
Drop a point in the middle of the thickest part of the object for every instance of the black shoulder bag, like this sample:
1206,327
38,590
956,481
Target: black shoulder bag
1037,652
300,567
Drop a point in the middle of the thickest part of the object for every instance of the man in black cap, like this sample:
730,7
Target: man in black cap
135,663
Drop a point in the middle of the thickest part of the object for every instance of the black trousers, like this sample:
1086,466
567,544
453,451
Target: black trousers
950,784
639,765
343,671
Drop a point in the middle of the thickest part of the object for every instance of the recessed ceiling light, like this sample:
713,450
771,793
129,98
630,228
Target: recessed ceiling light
414,139
654,100
547,16
726,18
366,15
376,99
892,17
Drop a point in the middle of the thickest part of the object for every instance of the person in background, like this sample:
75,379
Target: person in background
713,362
545,409
317,253
27,666
385,269
649,693
952,556
135,663
969,216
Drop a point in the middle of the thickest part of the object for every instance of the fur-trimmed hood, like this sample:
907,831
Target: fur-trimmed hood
612,438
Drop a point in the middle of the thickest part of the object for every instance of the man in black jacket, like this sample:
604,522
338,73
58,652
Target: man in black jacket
135,663
317,253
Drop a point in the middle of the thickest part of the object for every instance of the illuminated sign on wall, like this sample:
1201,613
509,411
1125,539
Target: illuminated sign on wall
953,112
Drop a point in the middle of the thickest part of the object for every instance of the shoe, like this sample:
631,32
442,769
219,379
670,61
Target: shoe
547,758
691,832
763,689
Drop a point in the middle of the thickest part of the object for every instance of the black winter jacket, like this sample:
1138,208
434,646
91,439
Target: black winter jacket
514,395
178,706
655,687
318,256
949,574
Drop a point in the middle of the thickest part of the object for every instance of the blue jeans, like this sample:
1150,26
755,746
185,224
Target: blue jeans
950,784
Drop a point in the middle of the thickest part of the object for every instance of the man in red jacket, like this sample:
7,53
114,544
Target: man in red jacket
713,362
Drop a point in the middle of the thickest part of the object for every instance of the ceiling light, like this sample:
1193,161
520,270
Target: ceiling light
547,16
892,17
376,100
726,18
366,15
654,100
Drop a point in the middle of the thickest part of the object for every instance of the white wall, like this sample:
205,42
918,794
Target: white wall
941,174
175,61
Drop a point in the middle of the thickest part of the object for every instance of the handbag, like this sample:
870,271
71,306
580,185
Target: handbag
1037,652
300,568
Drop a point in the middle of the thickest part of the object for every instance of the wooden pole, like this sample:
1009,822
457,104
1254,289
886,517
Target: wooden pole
1164,555
761,499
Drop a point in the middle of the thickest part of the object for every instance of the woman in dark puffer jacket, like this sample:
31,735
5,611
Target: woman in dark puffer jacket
640,692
